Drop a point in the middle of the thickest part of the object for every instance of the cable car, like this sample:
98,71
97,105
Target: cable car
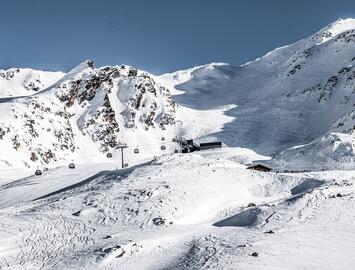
163,147
109,155
38,172
136,150
71,165
163,138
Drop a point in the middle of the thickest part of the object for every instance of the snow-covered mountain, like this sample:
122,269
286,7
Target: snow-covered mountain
286,98
296,95
85,116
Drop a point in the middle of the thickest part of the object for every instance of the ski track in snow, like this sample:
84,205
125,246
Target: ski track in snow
47,240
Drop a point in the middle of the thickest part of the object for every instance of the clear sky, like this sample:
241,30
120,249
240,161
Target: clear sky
156,35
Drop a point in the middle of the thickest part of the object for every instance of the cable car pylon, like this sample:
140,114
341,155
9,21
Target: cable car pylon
122,146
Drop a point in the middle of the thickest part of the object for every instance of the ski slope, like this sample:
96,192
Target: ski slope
183,212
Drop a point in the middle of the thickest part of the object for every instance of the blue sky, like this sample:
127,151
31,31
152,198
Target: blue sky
155,35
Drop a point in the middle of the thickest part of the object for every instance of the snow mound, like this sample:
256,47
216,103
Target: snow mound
335,150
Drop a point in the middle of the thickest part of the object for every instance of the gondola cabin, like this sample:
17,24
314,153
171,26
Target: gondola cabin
71,166
38,172
259,167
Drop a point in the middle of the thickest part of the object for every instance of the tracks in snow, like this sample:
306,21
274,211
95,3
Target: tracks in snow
48,240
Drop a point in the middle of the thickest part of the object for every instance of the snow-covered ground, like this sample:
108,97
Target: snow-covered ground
192,211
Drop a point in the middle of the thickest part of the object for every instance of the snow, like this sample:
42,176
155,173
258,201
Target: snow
190,211
335,150
23,82
338,27
50,181
292,109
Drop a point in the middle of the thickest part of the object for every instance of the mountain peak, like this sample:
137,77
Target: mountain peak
341,25
82,66
334,29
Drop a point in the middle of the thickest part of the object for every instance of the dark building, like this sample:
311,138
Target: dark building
188,146
210,145
259,167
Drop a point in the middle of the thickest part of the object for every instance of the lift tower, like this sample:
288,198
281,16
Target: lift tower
122,146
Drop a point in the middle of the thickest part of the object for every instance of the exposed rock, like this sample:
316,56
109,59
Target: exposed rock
255,254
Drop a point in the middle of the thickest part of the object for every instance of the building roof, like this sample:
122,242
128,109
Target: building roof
261,166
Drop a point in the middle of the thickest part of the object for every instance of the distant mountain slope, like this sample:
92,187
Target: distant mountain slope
288,97
24,81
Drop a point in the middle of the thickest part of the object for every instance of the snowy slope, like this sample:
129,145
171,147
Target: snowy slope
336,149
288,97
24,81
191,211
